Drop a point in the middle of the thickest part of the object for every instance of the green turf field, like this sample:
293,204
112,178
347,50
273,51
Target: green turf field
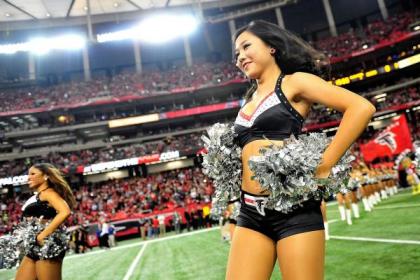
383,244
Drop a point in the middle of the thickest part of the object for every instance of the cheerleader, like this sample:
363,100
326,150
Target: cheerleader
283,72
51,205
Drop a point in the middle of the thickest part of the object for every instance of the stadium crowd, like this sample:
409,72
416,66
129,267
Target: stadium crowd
317,115
125,84
184,78
377,32
188,143
124,198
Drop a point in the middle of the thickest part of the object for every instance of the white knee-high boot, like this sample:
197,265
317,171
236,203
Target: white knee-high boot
355,208
366,204
342,211
372,201
378,197
348,217
327,231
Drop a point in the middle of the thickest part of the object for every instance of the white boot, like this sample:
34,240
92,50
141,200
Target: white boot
355,208
395,189
390,191
327,231
348,217
378,197
384,195
366,204
372,201
342,212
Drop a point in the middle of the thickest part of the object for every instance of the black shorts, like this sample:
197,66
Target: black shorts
35,257
277,225
232,221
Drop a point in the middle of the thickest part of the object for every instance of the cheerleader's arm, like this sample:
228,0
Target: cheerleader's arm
357,112
63,212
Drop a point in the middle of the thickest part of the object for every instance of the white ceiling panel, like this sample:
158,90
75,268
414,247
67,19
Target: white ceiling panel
35,8
44,9
9,13
57,8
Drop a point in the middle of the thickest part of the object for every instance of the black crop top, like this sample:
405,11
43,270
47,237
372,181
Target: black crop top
34,207
274,119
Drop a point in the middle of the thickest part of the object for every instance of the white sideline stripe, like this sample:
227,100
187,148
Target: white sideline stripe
135,262
388,207
136,244
142,242
379,240
397,206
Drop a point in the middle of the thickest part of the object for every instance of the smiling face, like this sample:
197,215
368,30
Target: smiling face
35,178
252,55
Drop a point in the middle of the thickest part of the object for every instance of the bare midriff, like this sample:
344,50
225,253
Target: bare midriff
249,150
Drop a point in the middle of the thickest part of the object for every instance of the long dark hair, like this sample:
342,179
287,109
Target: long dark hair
292,53
57,182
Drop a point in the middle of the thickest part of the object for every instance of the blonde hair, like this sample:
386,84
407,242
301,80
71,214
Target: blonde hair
56,181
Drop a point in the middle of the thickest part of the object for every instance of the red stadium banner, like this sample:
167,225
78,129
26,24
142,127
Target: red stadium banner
391,141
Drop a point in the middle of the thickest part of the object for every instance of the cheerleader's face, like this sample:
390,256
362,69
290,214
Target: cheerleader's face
252,55
35,178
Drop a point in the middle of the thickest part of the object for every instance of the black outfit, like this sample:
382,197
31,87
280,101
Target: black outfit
277,225
36,208
274,119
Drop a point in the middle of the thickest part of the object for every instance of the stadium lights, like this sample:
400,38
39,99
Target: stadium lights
42,46
380,96
155,29
64,42
13,48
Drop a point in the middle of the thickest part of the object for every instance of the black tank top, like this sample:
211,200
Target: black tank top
274,119
34,207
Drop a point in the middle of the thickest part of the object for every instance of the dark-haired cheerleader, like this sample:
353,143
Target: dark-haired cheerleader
283,71
50,205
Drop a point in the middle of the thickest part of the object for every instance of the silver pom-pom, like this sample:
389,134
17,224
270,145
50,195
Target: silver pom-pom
9,254
236,207
223,165
287,172
23,240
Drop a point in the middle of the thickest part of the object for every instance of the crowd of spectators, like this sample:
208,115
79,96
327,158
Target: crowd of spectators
322,114
124,198
189,143
377,32
125,84
199,75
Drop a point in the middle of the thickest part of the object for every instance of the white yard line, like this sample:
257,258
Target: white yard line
397,206
100,251
379,240
135,263
142,242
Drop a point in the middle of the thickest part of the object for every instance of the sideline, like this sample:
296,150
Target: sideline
135,263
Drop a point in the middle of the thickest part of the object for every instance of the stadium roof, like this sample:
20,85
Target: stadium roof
28,14
12,10
18,10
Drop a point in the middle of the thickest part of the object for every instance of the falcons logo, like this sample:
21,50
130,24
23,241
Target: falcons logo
260,205
387,139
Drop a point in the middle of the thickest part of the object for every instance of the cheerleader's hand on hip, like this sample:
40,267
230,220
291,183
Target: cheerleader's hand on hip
40,239
322,173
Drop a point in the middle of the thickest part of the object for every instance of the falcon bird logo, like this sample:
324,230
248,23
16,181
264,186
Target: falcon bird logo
387,139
